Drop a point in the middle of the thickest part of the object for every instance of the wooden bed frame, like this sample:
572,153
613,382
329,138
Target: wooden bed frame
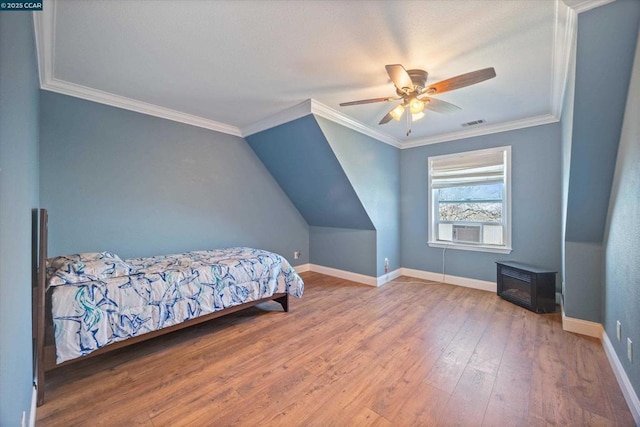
43,333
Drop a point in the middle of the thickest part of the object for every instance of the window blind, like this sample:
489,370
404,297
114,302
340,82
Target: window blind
468,169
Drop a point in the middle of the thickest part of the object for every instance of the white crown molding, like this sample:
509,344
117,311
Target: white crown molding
284,116
44,30
580,6
44,27
107,98
311,106
565,30
483,130
330,114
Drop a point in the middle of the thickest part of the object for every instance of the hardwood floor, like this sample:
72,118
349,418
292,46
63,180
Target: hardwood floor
411,353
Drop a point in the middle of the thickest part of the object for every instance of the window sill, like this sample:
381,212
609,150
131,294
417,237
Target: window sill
476,248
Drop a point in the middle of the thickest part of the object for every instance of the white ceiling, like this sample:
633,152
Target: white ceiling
242,66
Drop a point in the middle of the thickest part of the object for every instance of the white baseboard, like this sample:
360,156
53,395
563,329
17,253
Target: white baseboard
343,274
569,324
582,327
449,279
387,277
302,268
379,281
623,380
348,275
32,411
594,329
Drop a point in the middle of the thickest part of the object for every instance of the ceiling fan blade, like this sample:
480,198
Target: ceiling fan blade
400,77
399,111
369,101
439,105
461,81
386,119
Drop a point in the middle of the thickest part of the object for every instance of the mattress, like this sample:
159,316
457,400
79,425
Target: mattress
97,302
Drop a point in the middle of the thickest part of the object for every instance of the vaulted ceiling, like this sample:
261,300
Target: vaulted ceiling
240,67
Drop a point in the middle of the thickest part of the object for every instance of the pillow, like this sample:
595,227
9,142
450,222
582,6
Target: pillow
61,261
79,268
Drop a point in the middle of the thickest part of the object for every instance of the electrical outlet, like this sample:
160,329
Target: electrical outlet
296,255
618,330
386,265
629,350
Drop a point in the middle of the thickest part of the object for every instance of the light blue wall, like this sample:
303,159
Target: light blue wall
324,189
583,275
536,206
566,123
345,184
139,185
300,159
373,168
343,248
606,42
621,265
18,197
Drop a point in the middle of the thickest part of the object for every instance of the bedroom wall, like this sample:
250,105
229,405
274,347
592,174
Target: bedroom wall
346,249
373,168
345,184
138,185
536,204
621,267
566,124
18,197
304,163
605,46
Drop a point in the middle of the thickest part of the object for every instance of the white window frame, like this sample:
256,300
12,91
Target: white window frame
506,206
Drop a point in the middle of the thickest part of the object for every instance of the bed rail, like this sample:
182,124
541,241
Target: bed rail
39,312
44,343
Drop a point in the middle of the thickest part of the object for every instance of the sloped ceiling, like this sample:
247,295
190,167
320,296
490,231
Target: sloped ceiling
240,67
301,160
596,131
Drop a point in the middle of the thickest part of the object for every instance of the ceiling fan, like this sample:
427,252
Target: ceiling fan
411,88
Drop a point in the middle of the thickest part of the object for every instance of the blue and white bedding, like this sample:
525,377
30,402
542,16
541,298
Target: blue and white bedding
99,299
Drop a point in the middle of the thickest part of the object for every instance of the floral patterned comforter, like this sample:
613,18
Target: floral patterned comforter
159,292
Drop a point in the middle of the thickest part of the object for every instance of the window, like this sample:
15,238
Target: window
469,200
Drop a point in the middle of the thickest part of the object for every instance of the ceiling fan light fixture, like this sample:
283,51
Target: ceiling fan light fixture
410,85
397,112
416,117
416,106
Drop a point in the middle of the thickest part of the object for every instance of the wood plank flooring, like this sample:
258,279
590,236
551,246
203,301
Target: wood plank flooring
411,353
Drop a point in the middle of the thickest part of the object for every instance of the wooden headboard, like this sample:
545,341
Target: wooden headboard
38,297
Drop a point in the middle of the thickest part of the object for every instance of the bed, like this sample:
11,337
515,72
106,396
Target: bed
91,303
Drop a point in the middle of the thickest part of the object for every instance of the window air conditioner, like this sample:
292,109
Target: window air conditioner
467,233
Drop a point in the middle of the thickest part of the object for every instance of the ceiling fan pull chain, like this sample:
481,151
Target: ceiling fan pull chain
408,123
